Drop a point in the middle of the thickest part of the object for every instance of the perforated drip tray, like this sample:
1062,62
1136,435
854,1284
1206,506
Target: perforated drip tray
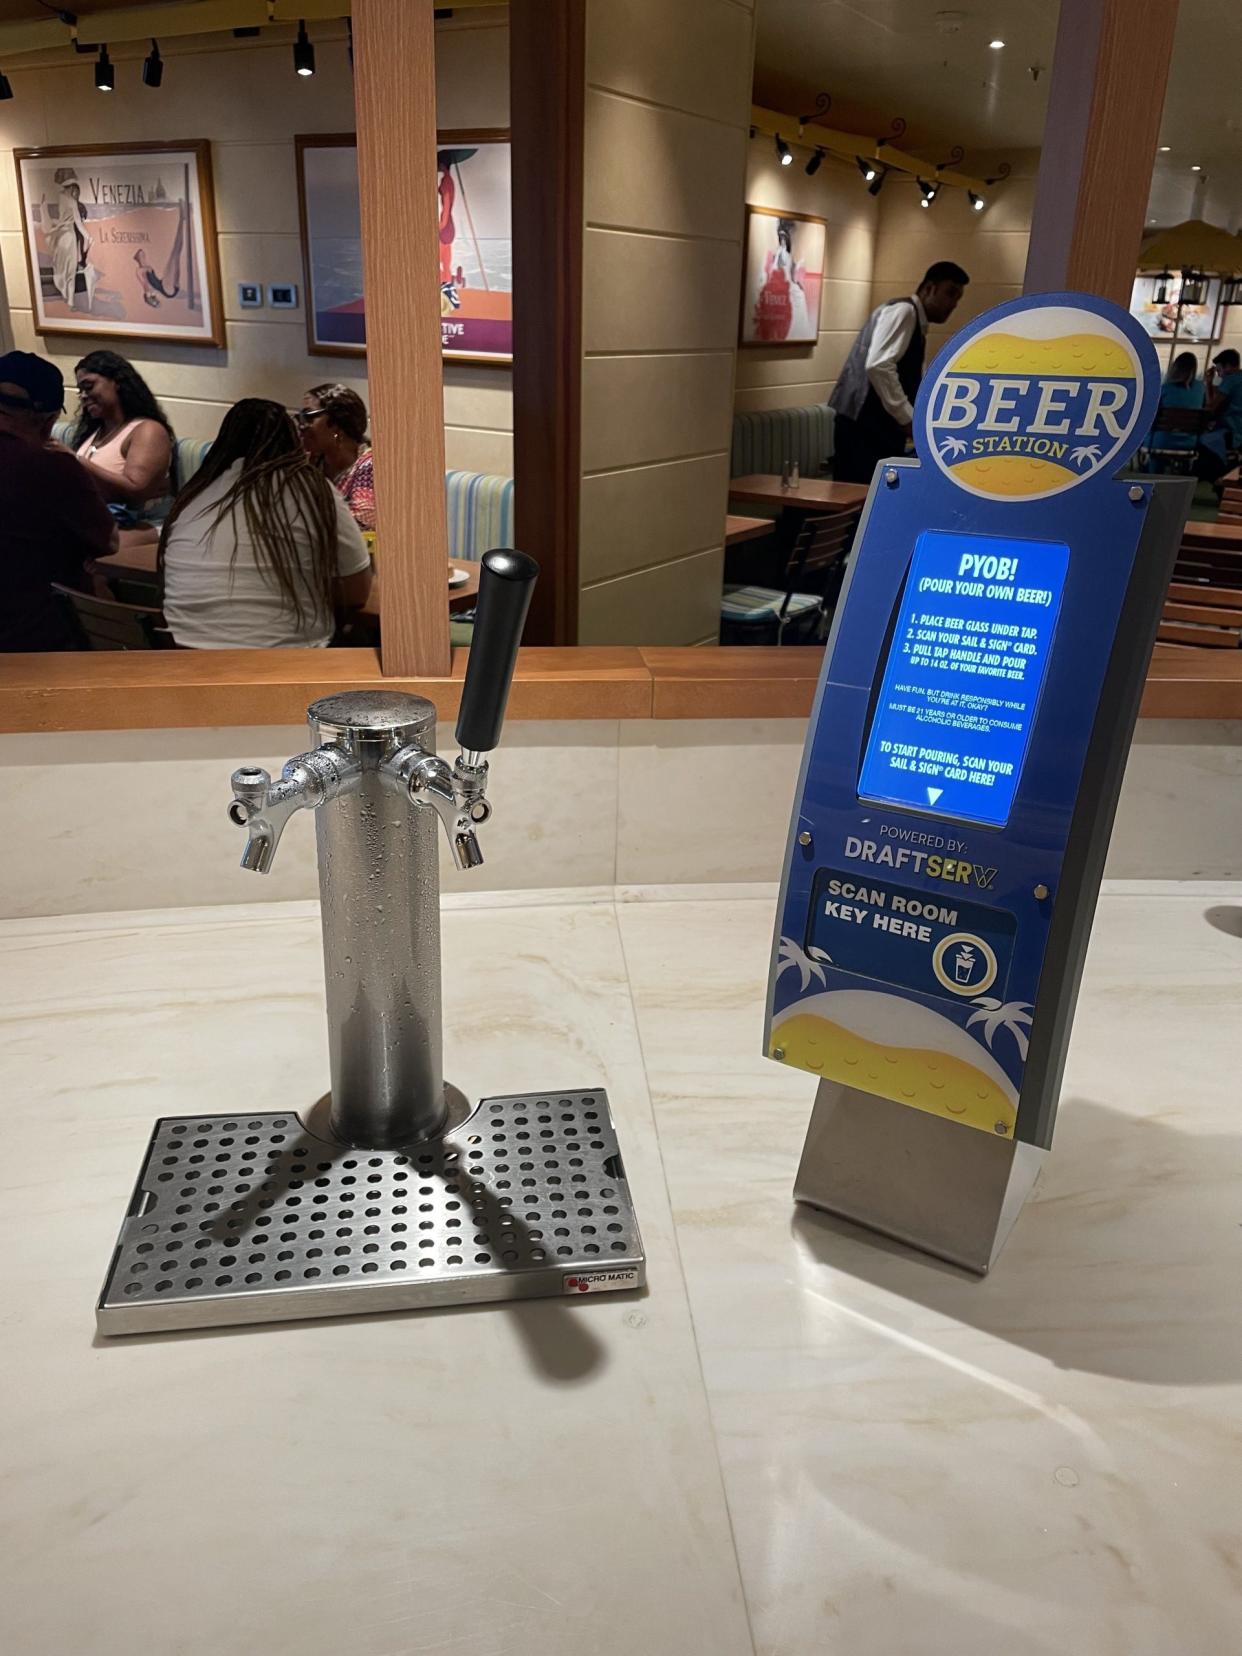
253,1218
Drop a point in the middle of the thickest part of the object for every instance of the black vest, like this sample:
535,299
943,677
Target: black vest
874,416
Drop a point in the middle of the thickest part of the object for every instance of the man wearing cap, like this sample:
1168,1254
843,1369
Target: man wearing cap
52,520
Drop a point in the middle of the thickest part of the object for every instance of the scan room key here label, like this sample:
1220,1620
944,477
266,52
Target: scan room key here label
916,939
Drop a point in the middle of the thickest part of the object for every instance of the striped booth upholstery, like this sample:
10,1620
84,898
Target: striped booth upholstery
763,441
480,508
480,513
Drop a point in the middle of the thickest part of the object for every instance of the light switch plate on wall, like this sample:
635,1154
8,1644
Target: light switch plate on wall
249,295
282,296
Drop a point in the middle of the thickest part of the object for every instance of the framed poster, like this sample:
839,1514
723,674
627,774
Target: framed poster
121,241
1159,316
782,277
475,245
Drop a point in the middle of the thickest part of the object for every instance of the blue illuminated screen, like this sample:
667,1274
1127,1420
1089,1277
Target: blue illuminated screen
963,675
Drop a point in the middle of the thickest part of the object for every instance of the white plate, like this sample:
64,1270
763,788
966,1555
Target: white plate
457,575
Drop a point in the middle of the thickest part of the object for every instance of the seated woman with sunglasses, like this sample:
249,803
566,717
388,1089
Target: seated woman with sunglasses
333,424
259,550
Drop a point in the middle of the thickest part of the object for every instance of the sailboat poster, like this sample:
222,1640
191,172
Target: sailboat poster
121,241
474,245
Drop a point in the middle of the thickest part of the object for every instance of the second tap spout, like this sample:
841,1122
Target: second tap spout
454,792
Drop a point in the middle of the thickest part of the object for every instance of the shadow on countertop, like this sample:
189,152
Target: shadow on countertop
1125,1261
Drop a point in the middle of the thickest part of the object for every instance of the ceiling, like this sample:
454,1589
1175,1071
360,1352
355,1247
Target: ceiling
932,66
929,65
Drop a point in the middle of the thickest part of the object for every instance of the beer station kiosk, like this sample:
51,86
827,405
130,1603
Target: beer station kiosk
961,773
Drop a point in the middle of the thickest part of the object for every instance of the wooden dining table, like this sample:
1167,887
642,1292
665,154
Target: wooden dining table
813,494
739,529
137,557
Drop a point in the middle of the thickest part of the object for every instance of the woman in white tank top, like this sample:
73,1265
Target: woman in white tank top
122,437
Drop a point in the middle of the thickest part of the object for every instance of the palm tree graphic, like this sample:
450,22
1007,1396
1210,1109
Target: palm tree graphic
952,447
1015,1016
793,958
1085,455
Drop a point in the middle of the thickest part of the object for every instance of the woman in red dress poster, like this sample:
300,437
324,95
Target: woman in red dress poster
780,305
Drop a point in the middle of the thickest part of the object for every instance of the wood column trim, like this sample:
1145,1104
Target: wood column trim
395,98
547,73
1105,102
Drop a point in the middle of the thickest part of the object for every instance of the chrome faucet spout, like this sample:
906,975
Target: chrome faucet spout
454,792
258,853
263,807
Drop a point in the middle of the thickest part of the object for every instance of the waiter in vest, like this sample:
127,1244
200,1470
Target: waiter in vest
874,397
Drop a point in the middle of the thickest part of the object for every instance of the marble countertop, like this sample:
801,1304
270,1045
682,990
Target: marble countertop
799,1439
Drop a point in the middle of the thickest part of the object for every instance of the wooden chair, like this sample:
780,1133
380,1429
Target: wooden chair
103,624
1175,422
1214,566
137,590
1201,618
813,576
1231,503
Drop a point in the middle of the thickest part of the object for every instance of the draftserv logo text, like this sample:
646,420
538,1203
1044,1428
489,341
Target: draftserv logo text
933,864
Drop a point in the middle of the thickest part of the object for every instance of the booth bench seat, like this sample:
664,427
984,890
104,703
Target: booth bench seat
765,439
479,506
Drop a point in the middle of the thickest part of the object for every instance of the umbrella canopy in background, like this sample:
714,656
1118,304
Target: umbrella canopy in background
1193,245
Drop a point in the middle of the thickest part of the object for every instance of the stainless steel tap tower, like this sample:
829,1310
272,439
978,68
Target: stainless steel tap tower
506,1193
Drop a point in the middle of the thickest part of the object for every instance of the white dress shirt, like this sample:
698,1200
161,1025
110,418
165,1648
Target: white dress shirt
894,329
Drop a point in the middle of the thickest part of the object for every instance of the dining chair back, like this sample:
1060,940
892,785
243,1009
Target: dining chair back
104,624
1201,617
814,572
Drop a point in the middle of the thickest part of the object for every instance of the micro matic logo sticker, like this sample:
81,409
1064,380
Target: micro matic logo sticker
1034,402
598,1282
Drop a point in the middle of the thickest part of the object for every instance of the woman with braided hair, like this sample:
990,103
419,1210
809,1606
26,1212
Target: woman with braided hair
259,549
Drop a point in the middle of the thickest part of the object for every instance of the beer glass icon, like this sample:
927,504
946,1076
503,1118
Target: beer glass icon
964,962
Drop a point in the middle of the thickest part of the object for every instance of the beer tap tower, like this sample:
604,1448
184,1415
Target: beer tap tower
391,1192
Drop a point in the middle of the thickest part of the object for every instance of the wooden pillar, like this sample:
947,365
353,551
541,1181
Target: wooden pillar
1105,102
547,54
395,96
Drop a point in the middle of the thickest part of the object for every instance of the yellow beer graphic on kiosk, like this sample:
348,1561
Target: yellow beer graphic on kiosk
897,1049
1035,404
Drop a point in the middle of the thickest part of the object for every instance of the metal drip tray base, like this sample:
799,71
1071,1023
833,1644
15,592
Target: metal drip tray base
254,1218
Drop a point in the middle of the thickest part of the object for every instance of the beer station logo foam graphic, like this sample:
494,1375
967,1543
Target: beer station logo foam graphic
1037,397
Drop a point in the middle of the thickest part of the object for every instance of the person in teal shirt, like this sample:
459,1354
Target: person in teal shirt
1182,389
1225,384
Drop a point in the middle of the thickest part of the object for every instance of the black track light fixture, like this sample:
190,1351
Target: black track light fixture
977,202
816,161
869,169
877,183
928,192
105,76
153,66
1194,287
6,91
303,52
783,151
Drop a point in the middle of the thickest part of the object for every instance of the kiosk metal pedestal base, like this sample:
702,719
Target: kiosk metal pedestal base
947,1189
258,1218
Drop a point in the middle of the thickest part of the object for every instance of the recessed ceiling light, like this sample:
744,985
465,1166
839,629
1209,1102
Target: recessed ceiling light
1196,167
1165,148
996,45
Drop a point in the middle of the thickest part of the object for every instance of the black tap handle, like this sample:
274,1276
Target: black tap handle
505,589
